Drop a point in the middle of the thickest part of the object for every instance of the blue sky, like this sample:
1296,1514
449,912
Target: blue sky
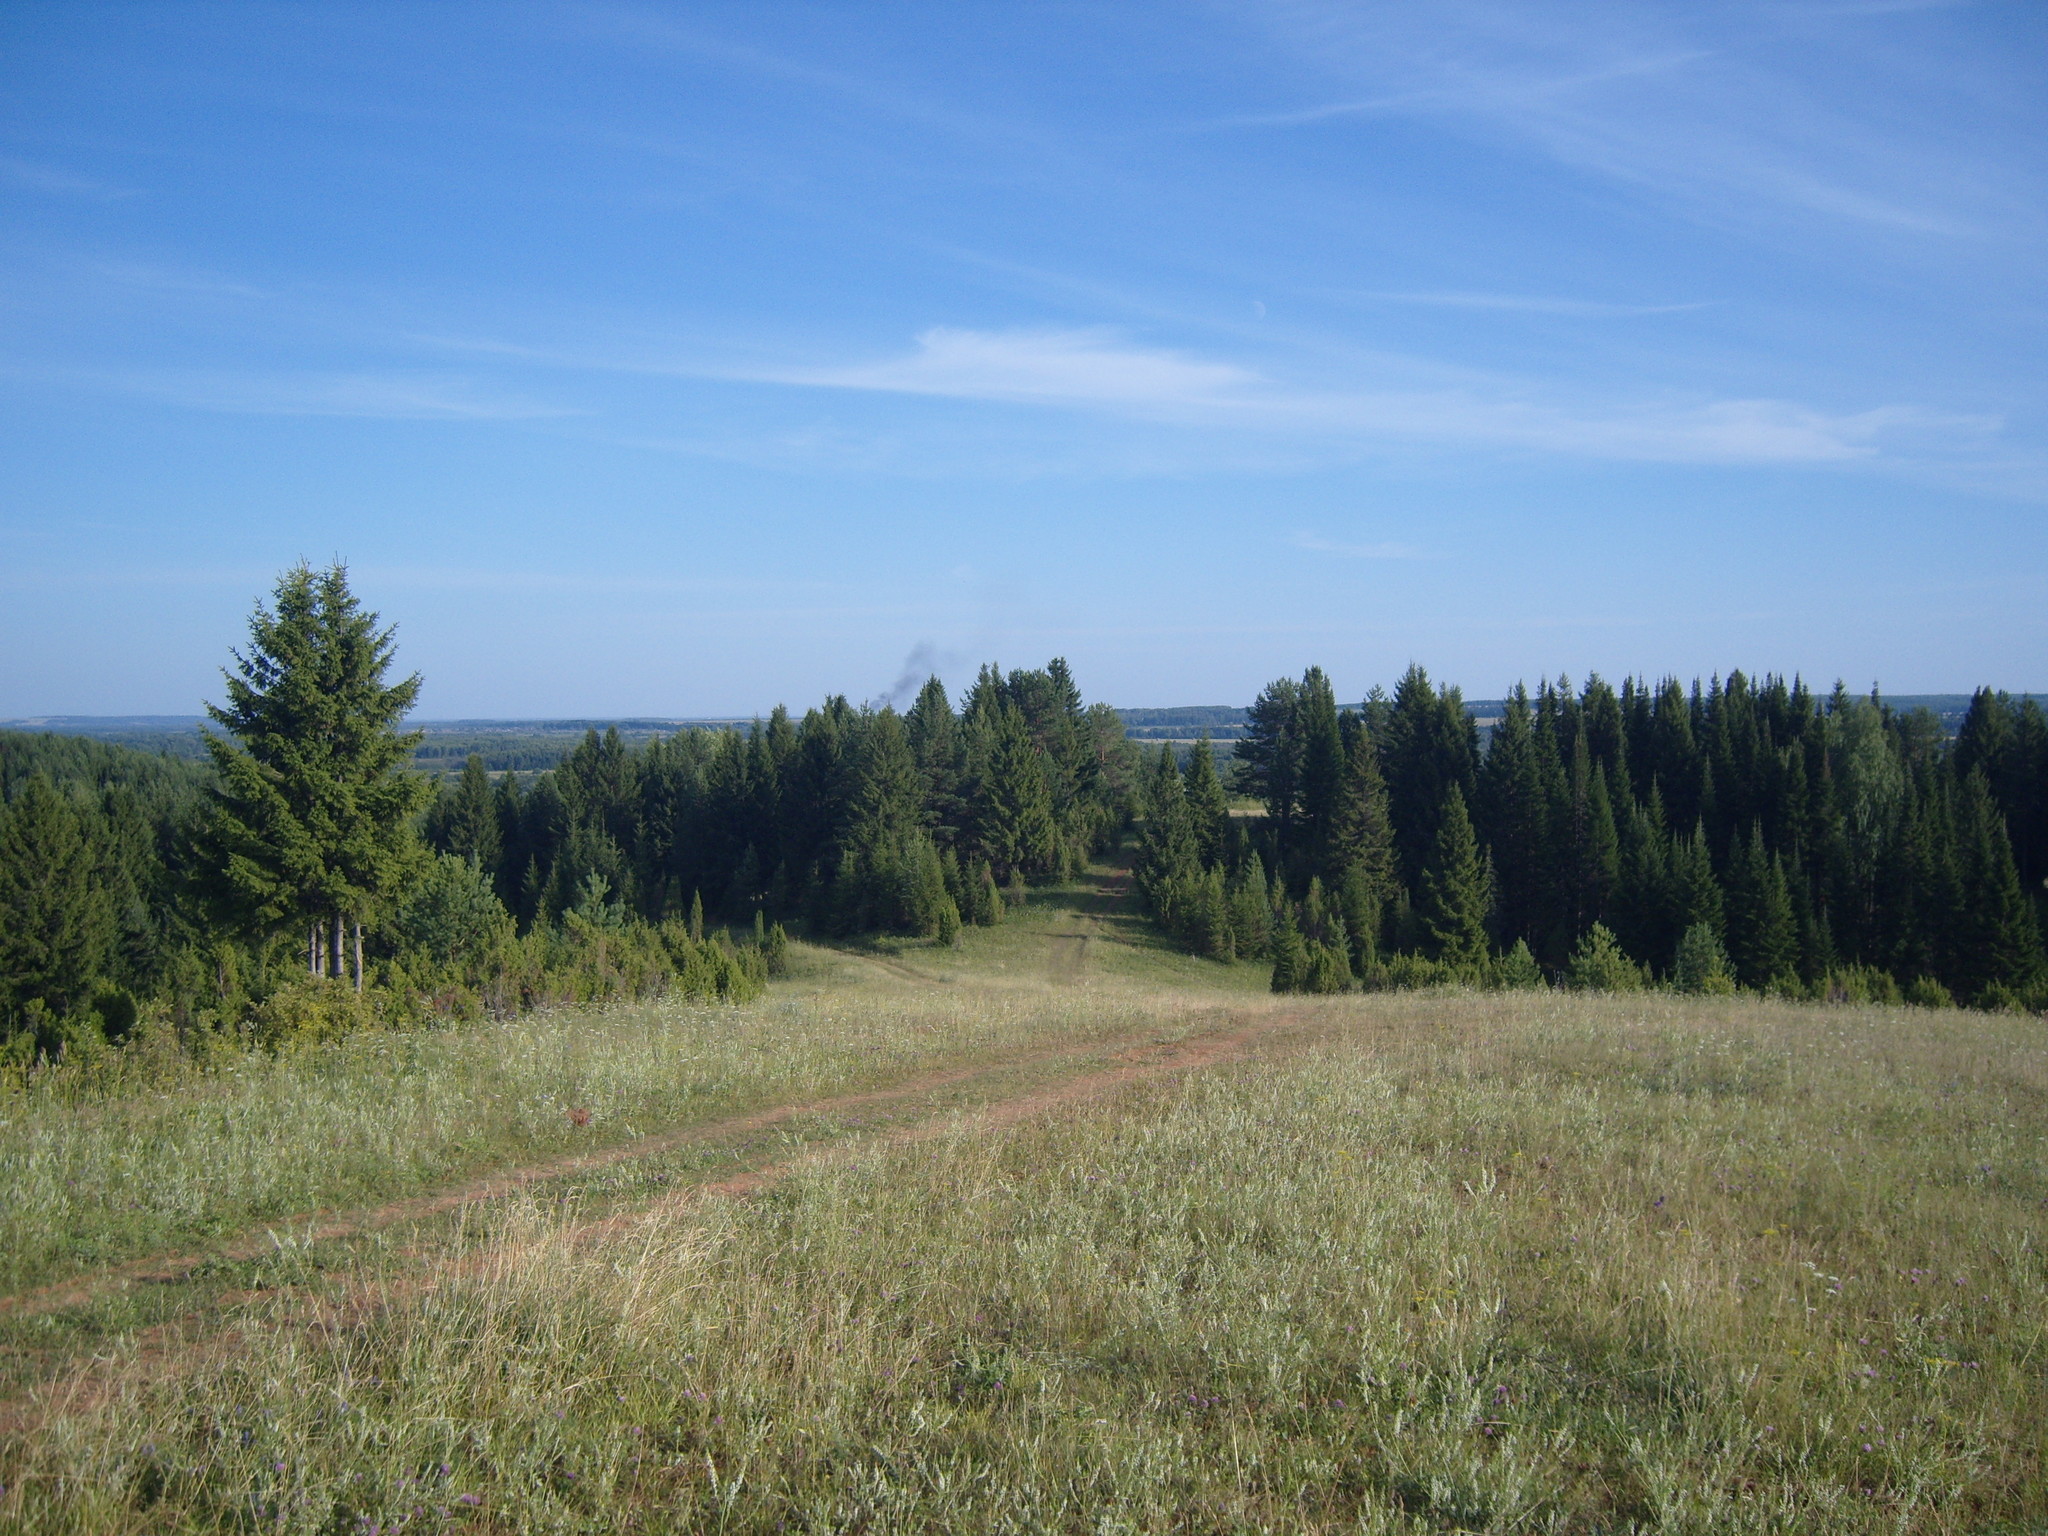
680,360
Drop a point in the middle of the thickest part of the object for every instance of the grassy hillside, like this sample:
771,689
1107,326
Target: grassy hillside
1056,1231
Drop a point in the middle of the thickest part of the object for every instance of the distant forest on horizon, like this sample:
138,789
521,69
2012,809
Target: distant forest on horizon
533,745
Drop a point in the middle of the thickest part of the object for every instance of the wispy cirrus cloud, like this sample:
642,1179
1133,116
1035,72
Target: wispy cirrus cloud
1317,544
1056,367
1788,111
398,396
1527,303
37,177
1101,371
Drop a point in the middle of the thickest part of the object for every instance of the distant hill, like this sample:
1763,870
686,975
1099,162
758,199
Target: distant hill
525,746
530,746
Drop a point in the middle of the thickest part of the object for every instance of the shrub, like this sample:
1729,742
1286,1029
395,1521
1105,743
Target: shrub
1702,964
1600,964
1858,984
310,1010
1290,960
1329,969
1517,970
1411,970
1926,992
1997,997
453,918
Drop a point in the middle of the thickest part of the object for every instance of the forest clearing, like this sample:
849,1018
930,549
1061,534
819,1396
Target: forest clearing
982,1237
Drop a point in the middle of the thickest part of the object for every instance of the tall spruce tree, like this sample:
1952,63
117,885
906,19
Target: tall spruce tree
1763,935
934,735
1429,744
1169,848
1997,945
1360,866
1455,898
312,817
1208,806
1268,756
1311,848
1014,824
1512,820
472,829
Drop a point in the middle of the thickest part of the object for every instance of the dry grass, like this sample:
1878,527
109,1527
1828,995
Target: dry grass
1508,1263
169,1156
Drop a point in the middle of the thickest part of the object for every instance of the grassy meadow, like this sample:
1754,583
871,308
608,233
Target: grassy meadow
1400,1262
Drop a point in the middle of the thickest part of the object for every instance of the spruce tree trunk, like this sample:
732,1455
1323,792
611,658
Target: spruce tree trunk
334,946
357,925
312,949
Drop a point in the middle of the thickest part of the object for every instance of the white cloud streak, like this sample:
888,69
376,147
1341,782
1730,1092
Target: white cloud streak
376,396
1316,544
60,183
1528,304
1100,371
1075,367
1735,113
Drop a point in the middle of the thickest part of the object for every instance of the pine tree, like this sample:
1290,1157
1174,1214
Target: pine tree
1606,735
1669,753
744,895
1642,908
1013,811
1696,894
1322,774
472,829
512,855
1454,897
1290,954
989,908
1762,937
57,923
1600,964
1429,744
1208,806
934,736
1251,911
2008,743
1268,756
1600,870
1167,846
1512,819
1701,964
1918,887
888,798
1998,945
1361,843
312,817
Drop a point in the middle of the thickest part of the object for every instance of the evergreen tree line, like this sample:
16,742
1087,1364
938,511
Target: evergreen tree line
306,880
849,820
1749,832
94,869
282,891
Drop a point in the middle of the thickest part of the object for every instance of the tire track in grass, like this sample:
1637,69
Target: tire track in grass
1136,1064
327,1225
166,1347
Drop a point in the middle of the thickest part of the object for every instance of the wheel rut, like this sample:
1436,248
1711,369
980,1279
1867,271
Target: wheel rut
163,1348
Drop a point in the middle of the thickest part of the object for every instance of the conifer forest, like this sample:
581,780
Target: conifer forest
1746,832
